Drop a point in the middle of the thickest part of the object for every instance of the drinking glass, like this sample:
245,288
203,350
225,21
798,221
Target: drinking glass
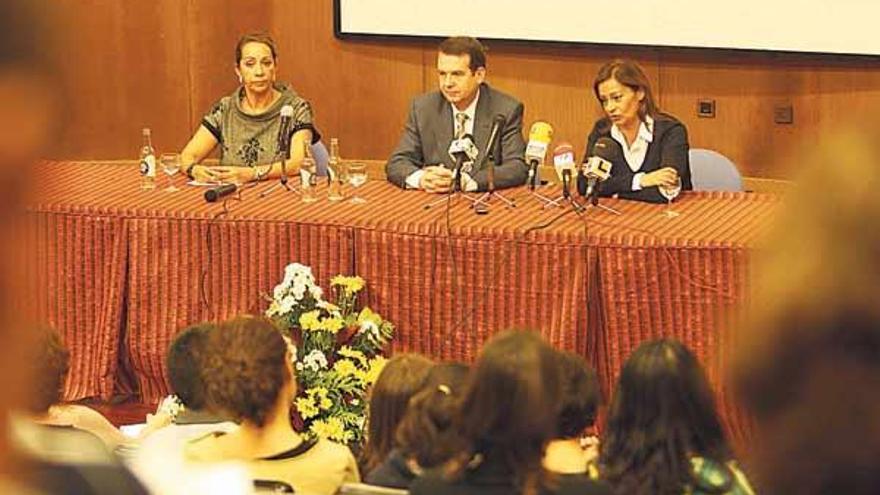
670,193
171,165
357,176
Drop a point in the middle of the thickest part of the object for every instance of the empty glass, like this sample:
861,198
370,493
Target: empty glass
357,176
171,165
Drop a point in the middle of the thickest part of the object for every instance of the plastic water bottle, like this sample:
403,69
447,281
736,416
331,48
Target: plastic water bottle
334,191
148,163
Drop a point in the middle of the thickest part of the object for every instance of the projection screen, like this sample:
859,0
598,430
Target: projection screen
818,26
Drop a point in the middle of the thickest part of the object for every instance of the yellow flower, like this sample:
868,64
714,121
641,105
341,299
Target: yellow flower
376,366
310,321
349,284
333,324
319,394
345,367
348,352
331,428
306,407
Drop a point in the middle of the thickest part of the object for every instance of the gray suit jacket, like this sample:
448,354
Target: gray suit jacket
429,130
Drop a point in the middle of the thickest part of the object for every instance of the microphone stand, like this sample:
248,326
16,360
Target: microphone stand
281,156
544,200
455,192
482,203
594,202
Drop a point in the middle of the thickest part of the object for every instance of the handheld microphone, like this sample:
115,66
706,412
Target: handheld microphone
563,162
540,136
282,142
597,168
213,194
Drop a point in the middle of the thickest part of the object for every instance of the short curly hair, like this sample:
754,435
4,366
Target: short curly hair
185,363
51,362
245,368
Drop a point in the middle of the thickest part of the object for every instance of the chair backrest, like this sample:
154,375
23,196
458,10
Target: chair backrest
364,489
712,171
322,158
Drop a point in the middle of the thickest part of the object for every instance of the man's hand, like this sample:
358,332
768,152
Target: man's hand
436,179
665,177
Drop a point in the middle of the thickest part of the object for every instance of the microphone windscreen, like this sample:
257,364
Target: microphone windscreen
606,148
212,195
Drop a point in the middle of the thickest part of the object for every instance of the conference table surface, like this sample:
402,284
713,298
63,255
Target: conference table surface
126,269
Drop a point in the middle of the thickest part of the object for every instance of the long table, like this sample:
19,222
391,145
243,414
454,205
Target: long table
125,269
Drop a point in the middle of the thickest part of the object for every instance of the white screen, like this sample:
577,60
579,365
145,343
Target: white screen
824,26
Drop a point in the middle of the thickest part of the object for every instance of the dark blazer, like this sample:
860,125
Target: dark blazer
668,149
429,131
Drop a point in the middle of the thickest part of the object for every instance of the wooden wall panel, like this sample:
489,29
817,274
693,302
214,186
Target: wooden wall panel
128,64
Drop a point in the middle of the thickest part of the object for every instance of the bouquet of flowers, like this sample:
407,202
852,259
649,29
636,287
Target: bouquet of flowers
337,351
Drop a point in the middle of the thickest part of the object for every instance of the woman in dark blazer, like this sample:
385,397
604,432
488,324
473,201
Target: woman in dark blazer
651,147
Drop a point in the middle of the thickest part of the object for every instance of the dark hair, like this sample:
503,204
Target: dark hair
245,368
465,45
510,406
580,395
630,75
426,431
662,414
51,362
185,362
403,376
263,38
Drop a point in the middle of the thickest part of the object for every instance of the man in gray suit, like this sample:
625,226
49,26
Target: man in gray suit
465,104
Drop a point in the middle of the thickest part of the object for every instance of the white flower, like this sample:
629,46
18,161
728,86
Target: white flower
369,327
286,304
299,290
280,291
294,270
317,292
315,360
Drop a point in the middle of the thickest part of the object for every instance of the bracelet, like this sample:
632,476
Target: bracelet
189,171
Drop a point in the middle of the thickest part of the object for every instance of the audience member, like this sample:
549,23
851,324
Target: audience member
809,360
249,377
400,379
508,414
425,437
663,433
573,451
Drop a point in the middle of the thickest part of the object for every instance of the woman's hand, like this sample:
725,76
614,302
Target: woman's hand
201,173
665,177
234,175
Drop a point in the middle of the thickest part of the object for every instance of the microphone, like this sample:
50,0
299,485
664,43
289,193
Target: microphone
493,149
563,162
540,136
462,150
213,194
282,142
597,168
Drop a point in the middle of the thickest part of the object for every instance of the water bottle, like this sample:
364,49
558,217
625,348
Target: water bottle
334,191
148,163
308,175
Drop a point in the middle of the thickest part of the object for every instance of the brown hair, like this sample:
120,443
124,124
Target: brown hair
580,395
510,406
263,38
245,368
51,362
185,363
403,376
808,362
426,432
465,45
630,75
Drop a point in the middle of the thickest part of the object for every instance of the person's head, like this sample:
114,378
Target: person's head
808,358
461,68
580,395
426,431
662,413
511,404
256,62
247,370
624,93
185,362
51,361
400,379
